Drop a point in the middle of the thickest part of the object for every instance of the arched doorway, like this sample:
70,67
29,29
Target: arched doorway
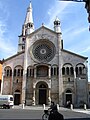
17,97
42,94
68,98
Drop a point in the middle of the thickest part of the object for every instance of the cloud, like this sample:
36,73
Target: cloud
75,31
56,10
6,46
87,49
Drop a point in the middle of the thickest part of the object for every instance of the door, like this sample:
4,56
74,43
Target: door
68,100
16,99
42,96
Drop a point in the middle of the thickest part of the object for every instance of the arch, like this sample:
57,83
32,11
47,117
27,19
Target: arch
18,66
67,69
54,70
54,65
18,71
41,92
67,65
80,69
8,71
38,84
30,71
68,91
41,81
42,86
68,97
80,64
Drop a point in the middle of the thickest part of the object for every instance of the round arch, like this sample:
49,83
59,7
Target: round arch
42,93
68,97
8,71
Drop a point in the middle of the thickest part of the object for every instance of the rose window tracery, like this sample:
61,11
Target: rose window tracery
43,51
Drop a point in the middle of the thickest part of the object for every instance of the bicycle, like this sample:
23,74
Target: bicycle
46,114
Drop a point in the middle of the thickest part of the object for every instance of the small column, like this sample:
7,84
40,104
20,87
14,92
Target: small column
49,96
35,72
33,97
71,106
49,72
85,107
74,74
44,106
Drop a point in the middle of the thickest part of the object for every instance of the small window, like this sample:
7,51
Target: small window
76,70
7,72
23,47
21,72
10,72
23,39
14,72
18,72
27,72
63,70
80,70
17,81
71,70
67,70
52,71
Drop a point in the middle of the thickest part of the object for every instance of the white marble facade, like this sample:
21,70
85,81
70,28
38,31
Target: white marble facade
42,70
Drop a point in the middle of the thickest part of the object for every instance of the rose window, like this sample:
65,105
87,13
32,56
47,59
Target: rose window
43,51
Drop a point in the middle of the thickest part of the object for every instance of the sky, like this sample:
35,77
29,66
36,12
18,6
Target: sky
72,15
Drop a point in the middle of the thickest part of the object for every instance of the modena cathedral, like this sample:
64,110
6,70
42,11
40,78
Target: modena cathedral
42,70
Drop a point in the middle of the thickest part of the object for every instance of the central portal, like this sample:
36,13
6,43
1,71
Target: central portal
42,93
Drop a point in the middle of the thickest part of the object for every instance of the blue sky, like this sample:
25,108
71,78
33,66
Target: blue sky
73,17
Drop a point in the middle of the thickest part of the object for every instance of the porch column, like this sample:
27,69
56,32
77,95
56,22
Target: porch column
34,72
74,73
49,71
33,96
49,96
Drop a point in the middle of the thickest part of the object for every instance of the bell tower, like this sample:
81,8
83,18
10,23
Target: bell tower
57,25
27,28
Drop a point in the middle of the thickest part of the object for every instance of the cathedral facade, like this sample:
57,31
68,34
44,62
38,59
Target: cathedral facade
42,70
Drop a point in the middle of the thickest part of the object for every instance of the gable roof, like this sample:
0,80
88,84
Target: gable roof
63,50
43,27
